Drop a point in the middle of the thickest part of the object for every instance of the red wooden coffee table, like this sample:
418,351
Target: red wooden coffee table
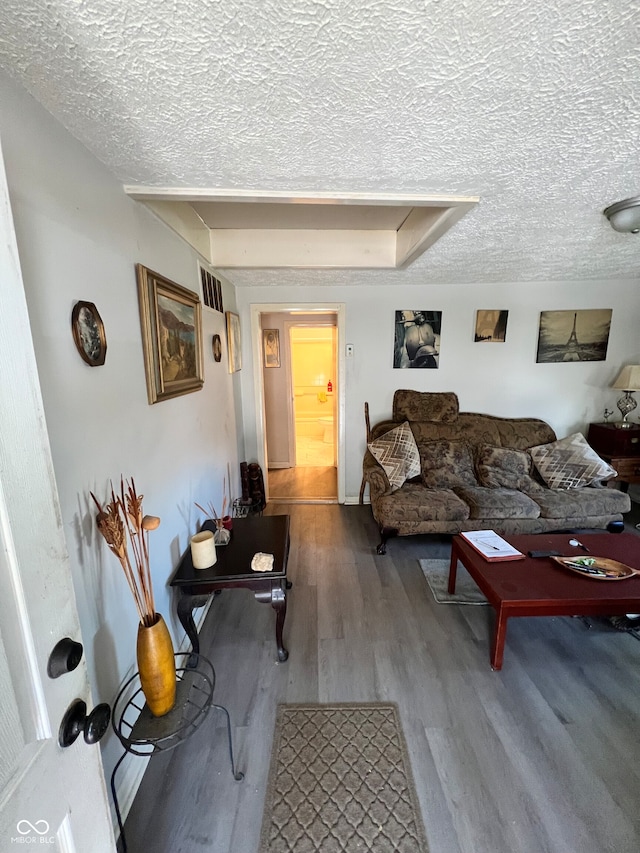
539,587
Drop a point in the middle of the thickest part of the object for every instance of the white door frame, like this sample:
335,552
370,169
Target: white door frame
337,308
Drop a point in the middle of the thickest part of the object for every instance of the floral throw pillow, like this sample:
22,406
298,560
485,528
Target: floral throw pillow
570,463
505,468
397,452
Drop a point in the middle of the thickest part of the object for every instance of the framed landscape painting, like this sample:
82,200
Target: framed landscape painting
581,335
170,319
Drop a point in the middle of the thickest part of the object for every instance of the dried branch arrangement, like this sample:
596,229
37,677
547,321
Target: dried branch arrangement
118,520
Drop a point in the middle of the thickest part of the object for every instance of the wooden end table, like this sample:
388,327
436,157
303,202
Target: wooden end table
620,448
539,587
232,570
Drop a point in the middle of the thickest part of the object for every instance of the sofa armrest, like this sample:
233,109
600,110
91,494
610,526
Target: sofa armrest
373,473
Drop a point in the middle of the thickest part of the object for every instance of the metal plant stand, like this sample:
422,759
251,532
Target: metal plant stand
140,733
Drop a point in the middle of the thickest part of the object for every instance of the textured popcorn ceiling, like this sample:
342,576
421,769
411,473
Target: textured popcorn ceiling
534,107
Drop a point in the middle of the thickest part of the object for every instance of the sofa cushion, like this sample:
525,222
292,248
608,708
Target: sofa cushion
497,503
439,407
580,503
570,463
397,452
447,463
505,468
413,504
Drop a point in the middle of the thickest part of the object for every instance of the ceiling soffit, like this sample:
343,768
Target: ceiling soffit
249,229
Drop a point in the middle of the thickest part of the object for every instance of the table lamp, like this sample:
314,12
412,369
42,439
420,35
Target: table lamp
628,380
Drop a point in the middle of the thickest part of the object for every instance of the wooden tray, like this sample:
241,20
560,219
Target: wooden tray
602,568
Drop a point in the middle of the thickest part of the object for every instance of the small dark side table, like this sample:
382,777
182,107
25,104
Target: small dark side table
232,570
620,448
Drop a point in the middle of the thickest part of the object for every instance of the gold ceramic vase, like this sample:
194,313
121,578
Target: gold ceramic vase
157,666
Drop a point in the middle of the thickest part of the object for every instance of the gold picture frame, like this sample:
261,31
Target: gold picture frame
271,347
234,342
88,333
171,323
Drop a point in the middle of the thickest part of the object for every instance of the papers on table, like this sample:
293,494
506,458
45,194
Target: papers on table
492,547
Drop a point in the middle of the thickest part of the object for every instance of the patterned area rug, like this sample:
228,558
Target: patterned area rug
436,573
340,782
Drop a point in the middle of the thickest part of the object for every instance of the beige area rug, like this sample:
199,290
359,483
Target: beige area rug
436,573
340,782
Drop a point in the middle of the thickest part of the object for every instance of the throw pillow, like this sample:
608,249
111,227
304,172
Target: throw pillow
570,463
505,468
447,463
397,453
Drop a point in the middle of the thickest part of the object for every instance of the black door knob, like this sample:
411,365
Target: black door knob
76,720
65,657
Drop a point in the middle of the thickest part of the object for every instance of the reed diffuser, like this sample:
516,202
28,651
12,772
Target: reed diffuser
224,521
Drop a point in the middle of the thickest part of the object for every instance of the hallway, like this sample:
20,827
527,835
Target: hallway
314,479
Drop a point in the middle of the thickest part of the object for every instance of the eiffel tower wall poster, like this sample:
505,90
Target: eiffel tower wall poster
573,335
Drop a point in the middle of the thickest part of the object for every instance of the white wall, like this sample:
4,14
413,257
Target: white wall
500,379
79,238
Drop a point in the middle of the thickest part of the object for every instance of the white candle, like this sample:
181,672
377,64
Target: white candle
203,550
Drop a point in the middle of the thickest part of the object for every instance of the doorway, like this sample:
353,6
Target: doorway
301,411
313,371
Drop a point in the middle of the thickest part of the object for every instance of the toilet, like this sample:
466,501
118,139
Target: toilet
327,429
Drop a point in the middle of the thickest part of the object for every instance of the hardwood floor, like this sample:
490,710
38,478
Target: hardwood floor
542,757
303,483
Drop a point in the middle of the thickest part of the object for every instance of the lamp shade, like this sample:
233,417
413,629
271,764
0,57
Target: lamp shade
628,378
624,216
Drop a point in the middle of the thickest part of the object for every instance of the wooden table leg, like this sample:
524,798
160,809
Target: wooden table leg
453,570
185,615
277,598
279,604
499,636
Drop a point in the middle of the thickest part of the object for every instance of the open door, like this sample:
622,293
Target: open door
48,795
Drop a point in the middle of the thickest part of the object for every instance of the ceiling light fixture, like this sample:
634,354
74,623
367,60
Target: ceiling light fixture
624,215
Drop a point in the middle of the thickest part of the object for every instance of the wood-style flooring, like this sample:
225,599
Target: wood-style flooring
541,757
303,483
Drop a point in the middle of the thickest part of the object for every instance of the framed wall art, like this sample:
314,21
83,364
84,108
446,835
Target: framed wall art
271,347
581,335
234,342
491,326
88,333
170,318
216,346
417,339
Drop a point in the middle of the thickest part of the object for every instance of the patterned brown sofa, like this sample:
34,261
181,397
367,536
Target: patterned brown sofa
474,471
